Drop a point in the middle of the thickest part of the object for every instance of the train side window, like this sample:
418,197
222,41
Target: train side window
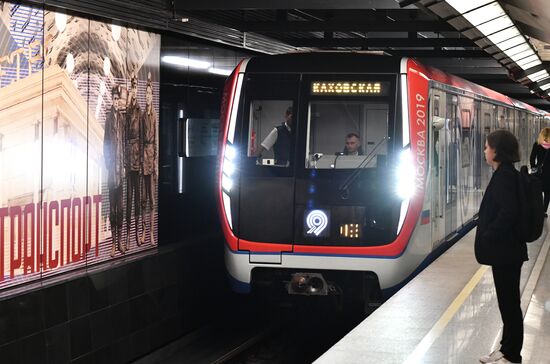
511,117
500,119
270,132
487,120
486,127
466,119
521,120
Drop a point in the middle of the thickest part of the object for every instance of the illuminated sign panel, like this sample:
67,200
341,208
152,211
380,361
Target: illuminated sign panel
350,231
317,223
348,88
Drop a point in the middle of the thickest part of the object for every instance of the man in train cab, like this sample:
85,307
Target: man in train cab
353,145
280,140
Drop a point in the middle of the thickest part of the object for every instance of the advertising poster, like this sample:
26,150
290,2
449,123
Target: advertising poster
78,142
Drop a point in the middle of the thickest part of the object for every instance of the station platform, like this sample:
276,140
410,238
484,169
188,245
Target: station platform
449,314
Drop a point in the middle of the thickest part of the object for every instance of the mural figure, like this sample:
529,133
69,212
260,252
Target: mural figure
134,163
149,170
113,152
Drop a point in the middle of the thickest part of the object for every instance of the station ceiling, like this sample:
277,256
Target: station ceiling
416,28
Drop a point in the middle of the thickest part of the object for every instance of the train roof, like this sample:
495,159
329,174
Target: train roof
354,62
323,62
455,81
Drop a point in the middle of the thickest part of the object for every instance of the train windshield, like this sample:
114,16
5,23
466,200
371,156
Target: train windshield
342,134
342,124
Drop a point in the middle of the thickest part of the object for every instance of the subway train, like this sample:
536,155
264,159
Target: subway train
313,217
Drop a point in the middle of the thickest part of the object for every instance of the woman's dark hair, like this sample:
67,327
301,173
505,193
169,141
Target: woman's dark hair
506,146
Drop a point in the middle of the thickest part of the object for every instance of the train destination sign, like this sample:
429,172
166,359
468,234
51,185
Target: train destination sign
344,88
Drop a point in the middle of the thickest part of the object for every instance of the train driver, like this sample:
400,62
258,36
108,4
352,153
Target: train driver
279,139
353,145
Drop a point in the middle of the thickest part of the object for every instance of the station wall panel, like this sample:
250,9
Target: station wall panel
60,176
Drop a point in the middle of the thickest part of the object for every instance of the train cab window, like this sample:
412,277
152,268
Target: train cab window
341,134
436,105
269,133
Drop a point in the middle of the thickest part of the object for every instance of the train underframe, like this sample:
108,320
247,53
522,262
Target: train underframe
357,290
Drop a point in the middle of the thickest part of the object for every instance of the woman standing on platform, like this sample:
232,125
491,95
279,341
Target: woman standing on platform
537,161
497,242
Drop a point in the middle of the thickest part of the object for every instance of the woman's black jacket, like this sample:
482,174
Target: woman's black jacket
497,240
539,157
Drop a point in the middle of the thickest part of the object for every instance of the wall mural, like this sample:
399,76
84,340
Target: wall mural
78,142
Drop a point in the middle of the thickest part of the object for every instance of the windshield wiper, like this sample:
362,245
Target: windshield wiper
344,187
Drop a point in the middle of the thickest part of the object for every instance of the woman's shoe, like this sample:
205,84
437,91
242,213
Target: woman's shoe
494,356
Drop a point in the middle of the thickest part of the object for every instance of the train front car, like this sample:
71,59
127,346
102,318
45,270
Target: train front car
330,203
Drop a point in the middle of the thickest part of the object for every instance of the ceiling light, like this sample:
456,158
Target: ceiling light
545,87
495,25
219,71
463,6
484,14
517,49
538,76
186,62
504,35
534,63
510,43
522,55
527,60
491,20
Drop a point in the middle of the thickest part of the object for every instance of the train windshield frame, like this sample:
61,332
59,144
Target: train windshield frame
291,184
361,104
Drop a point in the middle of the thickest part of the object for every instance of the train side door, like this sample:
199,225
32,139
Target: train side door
437,153
451,164
486,127
266,209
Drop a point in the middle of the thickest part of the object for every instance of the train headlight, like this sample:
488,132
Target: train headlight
228,167
405,175
230,152
227,183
